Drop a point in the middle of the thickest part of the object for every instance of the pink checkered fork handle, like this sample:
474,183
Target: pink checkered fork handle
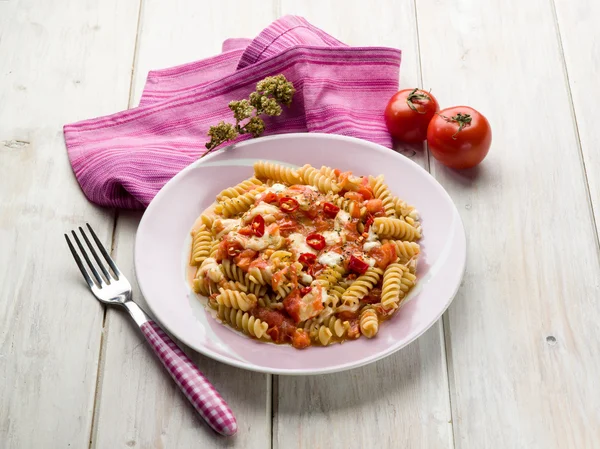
111,287
200,392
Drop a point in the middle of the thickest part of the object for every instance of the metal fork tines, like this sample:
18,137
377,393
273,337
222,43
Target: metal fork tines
107,287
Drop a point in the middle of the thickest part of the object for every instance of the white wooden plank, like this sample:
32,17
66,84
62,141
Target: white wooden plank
402,401
53,63
139,405
577,25
522,329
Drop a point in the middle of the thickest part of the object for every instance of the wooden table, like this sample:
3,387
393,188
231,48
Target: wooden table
514,360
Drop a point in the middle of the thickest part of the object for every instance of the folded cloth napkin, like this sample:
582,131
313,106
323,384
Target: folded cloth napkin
123,160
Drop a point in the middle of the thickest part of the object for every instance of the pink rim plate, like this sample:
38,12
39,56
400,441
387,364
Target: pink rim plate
163,240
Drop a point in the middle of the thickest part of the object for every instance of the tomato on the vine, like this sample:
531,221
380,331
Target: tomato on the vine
459,137
408,113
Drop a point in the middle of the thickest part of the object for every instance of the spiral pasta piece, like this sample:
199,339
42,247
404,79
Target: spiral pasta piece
337,326
350,206
207,220
382,192
329,172
406,251
324,335
318,179
239,204
276,172
393,228
369,323
232,271
241,188
361,287
408,282
237,300
243,321
266,301
201,245
259,276
390,289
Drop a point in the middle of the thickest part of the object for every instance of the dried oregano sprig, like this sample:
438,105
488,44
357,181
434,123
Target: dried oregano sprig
270,94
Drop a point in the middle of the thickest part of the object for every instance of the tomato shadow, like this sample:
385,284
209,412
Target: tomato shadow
465,178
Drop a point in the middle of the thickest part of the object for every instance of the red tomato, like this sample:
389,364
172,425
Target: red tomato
408,113
384,255
373,297
233,248
245,258
288,204
315,241
300,339
366,192
246,230
288,227
270,197
459,137
330,209
357,265
374,206
311,213
307,258
258,226
354,196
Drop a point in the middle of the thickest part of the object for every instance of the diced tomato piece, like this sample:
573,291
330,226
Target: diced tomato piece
354,196
300,339
321,224
373,297
374,205
384,255
246,230
311,213
351,231
358,265
269,316
293,305
337,172
245,258
269,197
365,190
232,247
258,226
354,330
288,227
315,241
346,315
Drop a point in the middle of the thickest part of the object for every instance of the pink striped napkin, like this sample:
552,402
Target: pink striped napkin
123,160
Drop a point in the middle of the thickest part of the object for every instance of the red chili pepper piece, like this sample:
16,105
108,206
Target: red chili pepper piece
330,209
288,204
357,265
315,241
307,258
270,197
258,226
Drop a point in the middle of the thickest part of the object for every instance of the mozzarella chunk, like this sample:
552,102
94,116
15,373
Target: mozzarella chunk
341,219
276,188
222,226
269,212
330,259
368,246
332,237
306,278
312,303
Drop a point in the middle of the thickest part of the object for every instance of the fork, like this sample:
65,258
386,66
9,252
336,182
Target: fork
113,288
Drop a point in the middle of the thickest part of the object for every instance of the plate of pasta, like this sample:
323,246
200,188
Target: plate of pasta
300,253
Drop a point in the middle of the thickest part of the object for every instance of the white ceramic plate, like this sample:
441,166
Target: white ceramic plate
162,243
